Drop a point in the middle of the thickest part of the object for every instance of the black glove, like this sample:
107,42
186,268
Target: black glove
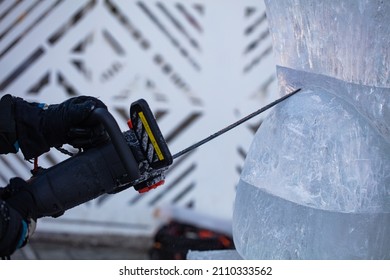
68,123
17,195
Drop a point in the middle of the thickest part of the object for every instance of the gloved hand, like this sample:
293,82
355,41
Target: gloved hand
17,195
68,123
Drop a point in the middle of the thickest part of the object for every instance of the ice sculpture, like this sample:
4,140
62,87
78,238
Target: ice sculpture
316,181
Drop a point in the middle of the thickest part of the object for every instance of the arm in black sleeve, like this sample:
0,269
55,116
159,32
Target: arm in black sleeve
8,137
12,228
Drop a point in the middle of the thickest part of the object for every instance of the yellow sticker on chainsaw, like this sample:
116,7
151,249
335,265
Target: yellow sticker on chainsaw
151,136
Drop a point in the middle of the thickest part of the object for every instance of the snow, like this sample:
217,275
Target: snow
213,255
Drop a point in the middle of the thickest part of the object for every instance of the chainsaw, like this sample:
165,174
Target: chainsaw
132,158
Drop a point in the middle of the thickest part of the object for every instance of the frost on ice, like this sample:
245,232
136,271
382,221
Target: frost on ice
316,181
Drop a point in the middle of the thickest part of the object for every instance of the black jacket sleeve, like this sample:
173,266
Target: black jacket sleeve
20,126
8,138
11,229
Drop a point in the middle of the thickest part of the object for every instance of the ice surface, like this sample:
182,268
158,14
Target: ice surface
271,227
315,184
370,101
345,39
316,181
316,149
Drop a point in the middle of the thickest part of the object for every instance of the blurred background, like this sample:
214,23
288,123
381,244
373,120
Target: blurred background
200,65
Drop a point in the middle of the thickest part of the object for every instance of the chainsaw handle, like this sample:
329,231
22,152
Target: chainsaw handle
123,150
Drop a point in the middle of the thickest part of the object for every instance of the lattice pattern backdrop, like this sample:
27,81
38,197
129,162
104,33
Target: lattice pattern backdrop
200,65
